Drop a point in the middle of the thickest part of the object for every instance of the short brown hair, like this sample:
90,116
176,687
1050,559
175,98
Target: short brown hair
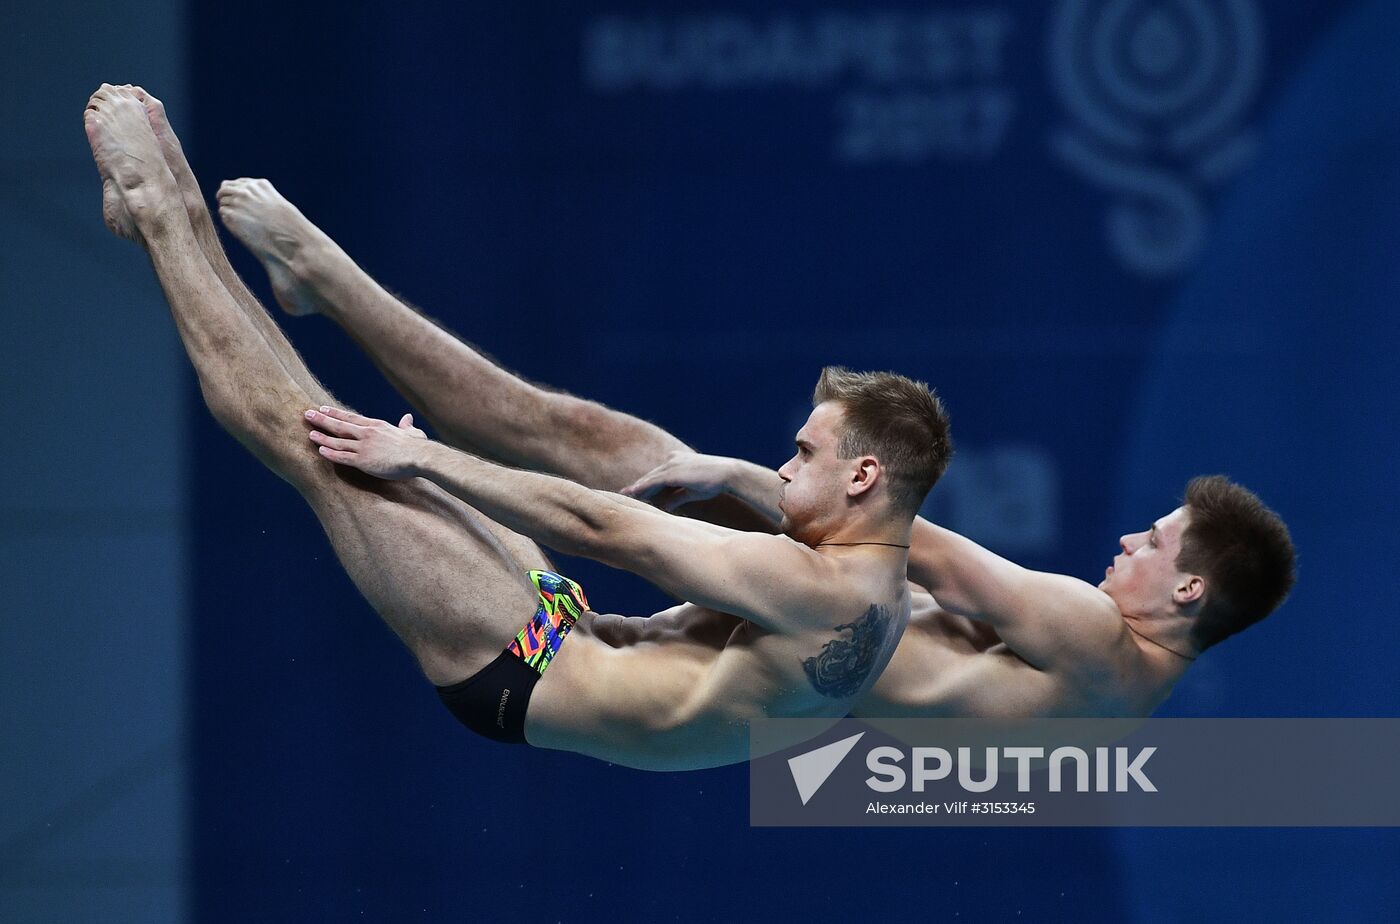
897,420
1242,549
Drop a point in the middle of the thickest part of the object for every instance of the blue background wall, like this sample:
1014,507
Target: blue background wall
1128,242
93,499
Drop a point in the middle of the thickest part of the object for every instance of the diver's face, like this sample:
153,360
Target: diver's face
1144,576
814,478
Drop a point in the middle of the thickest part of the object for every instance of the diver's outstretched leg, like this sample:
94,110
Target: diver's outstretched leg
471,401
440,574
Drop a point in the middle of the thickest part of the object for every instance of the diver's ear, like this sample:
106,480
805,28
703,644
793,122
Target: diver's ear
864,476
1189,590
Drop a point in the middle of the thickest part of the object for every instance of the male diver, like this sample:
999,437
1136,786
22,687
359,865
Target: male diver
798,624
986,636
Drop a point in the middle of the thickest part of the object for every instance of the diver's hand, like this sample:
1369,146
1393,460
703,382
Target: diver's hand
684,478
375,447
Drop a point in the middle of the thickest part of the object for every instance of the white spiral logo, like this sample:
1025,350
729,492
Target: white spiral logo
1155,90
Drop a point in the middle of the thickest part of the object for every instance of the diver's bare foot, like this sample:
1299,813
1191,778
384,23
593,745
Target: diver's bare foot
174,154
138,190
280,236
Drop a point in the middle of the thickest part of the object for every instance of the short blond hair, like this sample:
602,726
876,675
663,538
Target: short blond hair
897,420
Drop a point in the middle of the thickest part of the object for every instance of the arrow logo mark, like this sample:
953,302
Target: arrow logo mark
811,770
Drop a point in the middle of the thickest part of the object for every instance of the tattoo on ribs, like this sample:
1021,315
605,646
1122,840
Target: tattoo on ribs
845,663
